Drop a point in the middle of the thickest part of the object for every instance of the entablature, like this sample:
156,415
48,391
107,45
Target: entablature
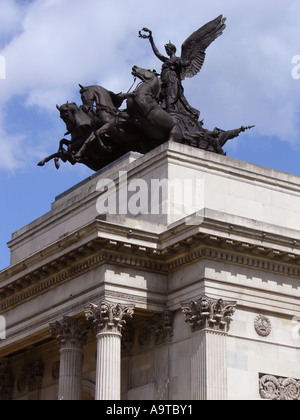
106,242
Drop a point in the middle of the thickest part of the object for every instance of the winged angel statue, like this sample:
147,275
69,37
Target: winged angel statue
175,69
156,111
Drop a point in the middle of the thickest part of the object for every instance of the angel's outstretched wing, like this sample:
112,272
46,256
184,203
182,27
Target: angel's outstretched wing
193,49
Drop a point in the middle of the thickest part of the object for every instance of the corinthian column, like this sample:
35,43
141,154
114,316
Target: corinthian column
108,321
209,320
71,335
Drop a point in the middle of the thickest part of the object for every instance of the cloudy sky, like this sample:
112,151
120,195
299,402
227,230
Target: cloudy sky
47,47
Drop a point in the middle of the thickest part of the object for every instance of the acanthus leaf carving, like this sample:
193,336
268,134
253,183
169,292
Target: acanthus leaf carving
209,313
71,332
108,317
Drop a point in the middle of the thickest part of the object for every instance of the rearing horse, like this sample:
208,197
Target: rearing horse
79,125
143,104
104,105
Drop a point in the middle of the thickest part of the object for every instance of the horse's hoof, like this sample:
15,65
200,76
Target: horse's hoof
42,163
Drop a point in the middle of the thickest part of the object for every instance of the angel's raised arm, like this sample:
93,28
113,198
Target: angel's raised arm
151,40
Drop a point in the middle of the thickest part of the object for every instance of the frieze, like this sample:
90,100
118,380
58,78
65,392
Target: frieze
13,294
124,297
273,387
163,261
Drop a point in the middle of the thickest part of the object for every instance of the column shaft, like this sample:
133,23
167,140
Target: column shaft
208,366
209,319
70,374
108,319
71,335
108,380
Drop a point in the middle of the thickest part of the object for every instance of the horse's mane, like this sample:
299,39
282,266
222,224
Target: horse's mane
99,91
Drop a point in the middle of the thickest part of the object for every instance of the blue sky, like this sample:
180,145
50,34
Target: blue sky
52,45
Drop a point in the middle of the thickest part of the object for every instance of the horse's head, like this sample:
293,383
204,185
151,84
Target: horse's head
73,116
143,74
87,96
67,111
150,81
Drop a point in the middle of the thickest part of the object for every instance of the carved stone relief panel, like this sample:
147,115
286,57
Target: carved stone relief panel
31,377
273,387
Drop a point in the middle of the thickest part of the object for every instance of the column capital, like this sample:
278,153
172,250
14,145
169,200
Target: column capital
209,313
71,332
108,317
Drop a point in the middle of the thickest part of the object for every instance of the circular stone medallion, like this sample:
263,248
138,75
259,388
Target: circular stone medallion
262,325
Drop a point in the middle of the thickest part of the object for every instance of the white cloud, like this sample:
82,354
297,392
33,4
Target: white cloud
246,77
12,155
11,16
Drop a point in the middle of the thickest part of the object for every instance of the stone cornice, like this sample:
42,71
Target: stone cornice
232,167
91,247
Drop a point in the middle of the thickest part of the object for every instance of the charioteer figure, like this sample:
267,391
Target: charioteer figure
156,111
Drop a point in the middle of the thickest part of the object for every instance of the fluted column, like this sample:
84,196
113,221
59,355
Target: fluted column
209,320
108,321
71,336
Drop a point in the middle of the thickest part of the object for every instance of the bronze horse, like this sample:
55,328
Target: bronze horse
112,126
141,126
143,104
80,125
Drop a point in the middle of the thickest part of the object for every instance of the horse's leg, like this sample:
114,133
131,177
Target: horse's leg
47,159
56,163
82,150
100,132
62,143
